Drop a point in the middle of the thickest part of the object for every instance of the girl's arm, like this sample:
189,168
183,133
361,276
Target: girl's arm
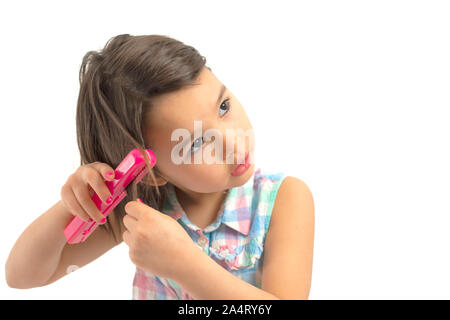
288,255
42,255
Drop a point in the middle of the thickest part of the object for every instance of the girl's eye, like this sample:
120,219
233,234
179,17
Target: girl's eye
225,106
197,144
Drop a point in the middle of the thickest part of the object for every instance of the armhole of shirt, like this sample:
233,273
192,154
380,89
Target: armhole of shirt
273,194
272,197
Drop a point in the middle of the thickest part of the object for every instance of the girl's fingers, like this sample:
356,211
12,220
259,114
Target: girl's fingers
129,222
84,199
77,193
126,237
98,185
105,170
71,203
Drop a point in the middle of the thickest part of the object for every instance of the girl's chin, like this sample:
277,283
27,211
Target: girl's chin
243,178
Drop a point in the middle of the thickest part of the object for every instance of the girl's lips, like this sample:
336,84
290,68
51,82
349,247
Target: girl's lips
241,168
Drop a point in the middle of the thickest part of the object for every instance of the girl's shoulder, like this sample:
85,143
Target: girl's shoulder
249,207
263,179
255,200
268,186
265,186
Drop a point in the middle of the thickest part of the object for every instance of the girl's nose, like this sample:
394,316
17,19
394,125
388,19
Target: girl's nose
236,149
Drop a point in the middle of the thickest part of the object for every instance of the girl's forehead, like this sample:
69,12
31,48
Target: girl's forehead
181,108
165,120
177,110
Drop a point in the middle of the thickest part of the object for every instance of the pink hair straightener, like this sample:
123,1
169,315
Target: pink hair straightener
131,168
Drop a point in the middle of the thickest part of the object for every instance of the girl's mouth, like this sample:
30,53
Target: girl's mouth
241,168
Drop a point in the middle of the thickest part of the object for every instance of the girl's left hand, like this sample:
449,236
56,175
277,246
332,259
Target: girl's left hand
158,243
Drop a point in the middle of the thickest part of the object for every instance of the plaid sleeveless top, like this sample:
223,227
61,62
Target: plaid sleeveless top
235,240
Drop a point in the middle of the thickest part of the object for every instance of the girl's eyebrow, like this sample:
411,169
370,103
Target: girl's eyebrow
222,91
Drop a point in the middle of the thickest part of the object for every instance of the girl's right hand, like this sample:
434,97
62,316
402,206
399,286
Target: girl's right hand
76,193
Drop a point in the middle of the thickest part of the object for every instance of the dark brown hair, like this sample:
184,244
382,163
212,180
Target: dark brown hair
117,85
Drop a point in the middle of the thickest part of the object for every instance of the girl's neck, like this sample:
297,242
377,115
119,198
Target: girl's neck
201,208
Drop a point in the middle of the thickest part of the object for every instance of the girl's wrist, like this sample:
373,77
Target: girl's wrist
192,256
64,213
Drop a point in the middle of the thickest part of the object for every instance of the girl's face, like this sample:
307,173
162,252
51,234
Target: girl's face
182,162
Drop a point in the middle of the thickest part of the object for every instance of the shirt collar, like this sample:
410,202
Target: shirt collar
235,211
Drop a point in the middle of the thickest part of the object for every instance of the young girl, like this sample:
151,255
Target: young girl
222,230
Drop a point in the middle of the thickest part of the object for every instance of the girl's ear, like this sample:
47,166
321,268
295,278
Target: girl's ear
160,181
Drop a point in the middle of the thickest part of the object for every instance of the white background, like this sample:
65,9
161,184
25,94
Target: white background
352,97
